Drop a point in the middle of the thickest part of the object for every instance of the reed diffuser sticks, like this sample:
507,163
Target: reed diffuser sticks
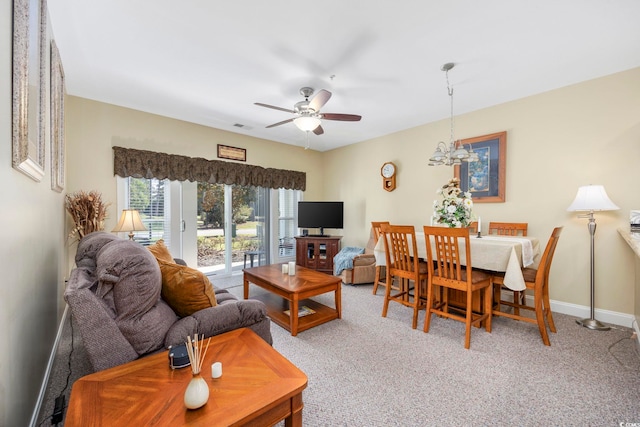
195,353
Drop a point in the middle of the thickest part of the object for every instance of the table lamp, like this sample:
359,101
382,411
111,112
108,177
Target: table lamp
592,198
129,221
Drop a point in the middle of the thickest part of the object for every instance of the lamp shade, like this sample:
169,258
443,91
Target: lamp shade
592,198
306,123
129,221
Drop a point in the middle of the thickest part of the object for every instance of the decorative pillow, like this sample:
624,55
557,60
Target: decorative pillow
185,289
161,252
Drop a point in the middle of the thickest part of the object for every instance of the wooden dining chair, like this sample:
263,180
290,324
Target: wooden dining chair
537,281
445,270
380,269
473,227
508,228
400,248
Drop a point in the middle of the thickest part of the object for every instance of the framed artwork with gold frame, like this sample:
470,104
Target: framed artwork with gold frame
485,179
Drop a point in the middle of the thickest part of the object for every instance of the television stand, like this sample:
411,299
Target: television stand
317,252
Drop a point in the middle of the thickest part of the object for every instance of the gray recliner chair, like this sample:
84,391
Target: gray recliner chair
115,298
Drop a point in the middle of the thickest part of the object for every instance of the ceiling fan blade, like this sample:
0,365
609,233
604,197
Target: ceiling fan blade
318,130
342,117
319,100
280,123
274,107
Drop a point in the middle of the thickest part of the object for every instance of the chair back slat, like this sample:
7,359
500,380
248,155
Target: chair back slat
508,228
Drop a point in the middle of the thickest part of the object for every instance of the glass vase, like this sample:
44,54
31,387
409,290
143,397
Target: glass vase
197,393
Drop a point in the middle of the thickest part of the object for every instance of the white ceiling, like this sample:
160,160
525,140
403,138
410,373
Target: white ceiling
208,61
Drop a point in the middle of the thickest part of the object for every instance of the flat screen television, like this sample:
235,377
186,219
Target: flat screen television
320,215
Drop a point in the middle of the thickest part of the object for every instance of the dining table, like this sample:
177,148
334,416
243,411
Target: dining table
506,254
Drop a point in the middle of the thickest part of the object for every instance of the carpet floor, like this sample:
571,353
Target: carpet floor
366,370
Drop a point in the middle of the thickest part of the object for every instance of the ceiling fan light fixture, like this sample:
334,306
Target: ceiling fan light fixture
306,123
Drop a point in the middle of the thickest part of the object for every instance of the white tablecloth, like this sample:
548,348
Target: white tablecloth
495,253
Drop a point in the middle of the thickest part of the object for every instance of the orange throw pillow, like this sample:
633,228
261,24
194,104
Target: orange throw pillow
185,289
161,252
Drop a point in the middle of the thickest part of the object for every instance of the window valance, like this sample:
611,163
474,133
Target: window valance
149,164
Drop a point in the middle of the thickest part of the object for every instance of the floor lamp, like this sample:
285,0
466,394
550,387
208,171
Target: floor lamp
592,198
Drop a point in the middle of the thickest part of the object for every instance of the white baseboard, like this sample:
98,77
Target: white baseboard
47,373
584,312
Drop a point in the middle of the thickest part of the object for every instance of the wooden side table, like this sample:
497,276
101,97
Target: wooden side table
258,386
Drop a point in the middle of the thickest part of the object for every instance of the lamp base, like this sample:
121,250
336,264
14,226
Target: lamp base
593,324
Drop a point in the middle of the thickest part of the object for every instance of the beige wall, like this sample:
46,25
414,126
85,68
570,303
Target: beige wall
587,133
32,260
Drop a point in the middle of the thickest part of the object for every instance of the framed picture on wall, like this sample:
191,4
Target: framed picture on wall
232,153
29,48
485,179
57,120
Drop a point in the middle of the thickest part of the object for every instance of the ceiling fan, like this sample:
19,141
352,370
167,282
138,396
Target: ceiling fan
307,112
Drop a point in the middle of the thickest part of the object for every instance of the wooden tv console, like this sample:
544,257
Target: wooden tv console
317,252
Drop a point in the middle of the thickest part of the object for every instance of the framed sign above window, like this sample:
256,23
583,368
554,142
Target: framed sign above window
232,153
485,179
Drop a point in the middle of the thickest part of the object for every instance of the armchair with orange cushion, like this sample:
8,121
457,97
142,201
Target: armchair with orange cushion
129,301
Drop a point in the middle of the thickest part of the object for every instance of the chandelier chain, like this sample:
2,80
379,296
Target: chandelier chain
450,92
454,153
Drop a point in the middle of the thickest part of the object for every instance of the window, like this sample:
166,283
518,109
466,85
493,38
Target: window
150,197
184,214
286,202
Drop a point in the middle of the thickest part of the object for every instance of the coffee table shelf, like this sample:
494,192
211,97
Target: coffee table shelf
285,292
276,307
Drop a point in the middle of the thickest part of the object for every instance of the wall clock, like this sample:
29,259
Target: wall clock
388,172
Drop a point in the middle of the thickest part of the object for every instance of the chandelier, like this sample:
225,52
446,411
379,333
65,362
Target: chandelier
453,153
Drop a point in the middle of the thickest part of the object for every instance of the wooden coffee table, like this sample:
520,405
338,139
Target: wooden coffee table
292,292
258,387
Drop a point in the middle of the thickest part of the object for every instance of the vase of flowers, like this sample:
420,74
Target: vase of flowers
455,208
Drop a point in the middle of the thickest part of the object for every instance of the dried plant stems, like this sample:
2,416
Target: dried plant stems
88,212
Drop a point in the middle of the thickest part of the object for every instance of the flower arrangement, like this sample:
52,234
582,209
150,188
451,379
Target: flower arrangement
454,210
88,212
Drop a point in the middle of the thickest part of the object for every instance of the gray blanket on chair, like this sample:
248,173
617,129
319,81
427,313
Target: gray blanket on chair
344,259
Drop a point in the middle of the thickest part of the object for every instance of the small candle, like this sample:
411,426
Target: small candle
216,370
292,268
479,224
285,268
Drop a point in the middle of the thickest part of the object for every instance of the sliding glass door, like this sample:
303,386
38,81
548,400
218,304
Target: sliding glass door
216,228
231,227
